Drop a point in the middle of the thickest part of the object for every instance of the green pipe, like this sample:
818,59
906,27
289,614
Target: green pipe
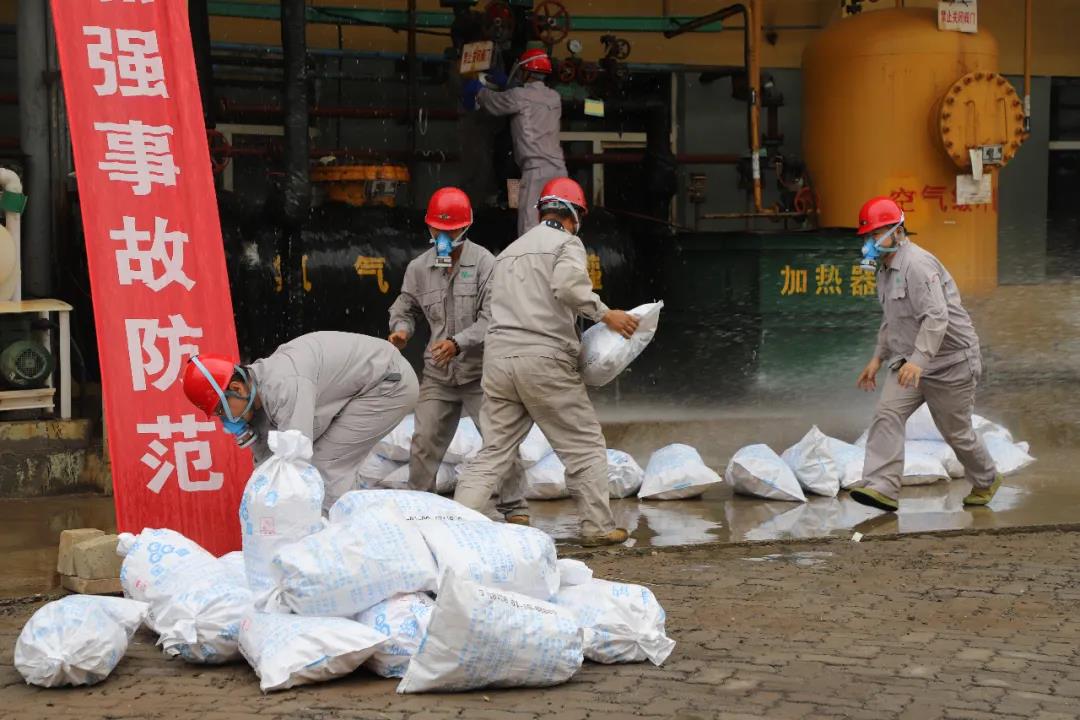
399,18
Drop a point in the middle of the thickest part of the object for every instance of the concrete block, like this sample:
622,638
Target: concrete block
103,586
65,564
96,558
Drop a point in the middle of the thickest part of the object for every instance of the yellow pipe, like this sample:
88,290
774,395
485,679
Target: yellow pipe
753,20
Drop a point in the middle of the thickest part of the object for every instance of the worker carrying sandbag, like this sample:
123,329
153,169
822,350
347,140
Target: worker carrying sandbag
540,285
536,116
449,287
343,390
929,345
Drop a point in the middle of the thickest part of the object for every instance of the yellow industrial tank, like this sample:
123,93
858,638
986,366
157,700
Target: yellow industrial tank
892,106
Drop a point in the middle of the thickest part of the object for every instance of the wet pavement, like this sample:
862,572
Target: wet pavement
1031,339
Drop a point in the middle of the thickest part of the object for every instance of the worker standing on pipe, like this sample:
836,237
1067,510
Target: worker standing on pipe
449,286
929,344
539,287
344,391
536,118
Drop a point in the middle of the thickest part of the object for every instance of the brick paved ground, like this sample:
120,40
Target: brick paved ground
959,627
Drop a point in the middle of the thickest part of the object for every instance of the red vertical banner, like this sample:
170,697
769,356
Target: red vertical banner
157,264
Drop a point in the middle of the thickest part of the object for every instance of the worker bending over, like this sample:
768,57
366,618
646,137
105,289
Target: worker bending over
539,287
932,353
449,286
342,390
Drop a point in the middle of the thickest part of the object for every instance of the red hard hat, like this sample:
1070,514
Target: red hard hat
199,388
449,209
536,61
879,212
563,189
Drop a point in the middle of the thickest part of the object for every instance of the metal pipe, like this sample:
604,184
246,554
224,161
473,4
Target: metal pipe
34,127
1027,66
633,158
362,113
753,22
297,201
769,213
413,94
199,21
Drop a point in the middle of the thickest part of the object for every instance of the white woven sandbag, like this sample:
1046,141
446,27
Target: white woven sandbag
200,622
411,504
497,555
282,502
922,469
397,445
624,474
482,637
573,572
397,480
155,561
466,443
347,568
757,470
446,479
234,564
937,449
534,448
676,472
815,464
76,640
623,623
1009,457
546,480
374,469
404,620
605,353
290,650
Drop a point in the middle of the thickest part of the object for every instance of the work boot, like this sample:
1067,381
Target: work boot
518,519
874,499
616,537
983,496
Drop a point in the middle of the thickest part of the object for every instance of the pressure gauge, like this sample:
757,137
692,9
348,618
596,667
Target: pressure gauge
574,46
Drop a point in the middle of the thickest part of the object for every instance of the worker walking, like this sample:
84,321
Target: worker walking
929,345
536,117
539,287
449,286
342,390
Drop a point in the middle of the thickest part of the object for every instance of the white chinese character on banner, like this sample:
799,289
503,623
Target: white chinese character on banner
136,68
138,154
187,454
136,264
147,360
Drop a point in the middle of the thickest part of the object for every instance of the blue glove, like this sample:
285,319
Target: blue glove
495,79
468,93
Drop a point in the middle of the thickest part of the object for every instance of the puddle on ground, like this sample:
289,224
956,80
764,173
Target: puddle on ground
808,558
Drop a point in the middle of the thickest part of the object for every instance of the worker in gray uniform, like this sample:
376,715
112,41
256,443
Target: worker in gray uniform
539,287
536,118
929,345
449,286
344,391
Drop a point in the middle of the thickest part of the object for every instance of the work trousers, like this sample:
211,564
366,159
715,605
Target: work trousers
366,419
532,183
438,412
950,395
519,391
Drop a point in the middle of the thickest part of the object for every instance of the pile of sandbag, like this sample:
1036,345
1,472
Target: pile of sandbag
823,465
545,475
387,466
410,585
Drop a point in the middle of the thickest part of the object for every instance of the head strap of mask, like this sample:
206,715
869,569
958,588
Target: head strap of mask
223,395
886,236
554,202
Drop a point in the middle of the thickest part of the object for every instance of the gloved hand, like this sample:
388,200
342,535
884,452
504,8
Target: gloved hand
493,80
468,93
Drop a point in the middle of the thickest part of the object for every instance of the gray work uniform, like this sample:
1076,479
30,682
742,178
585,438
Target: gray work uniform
344,391
539,287
536,112
924,323
456,305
